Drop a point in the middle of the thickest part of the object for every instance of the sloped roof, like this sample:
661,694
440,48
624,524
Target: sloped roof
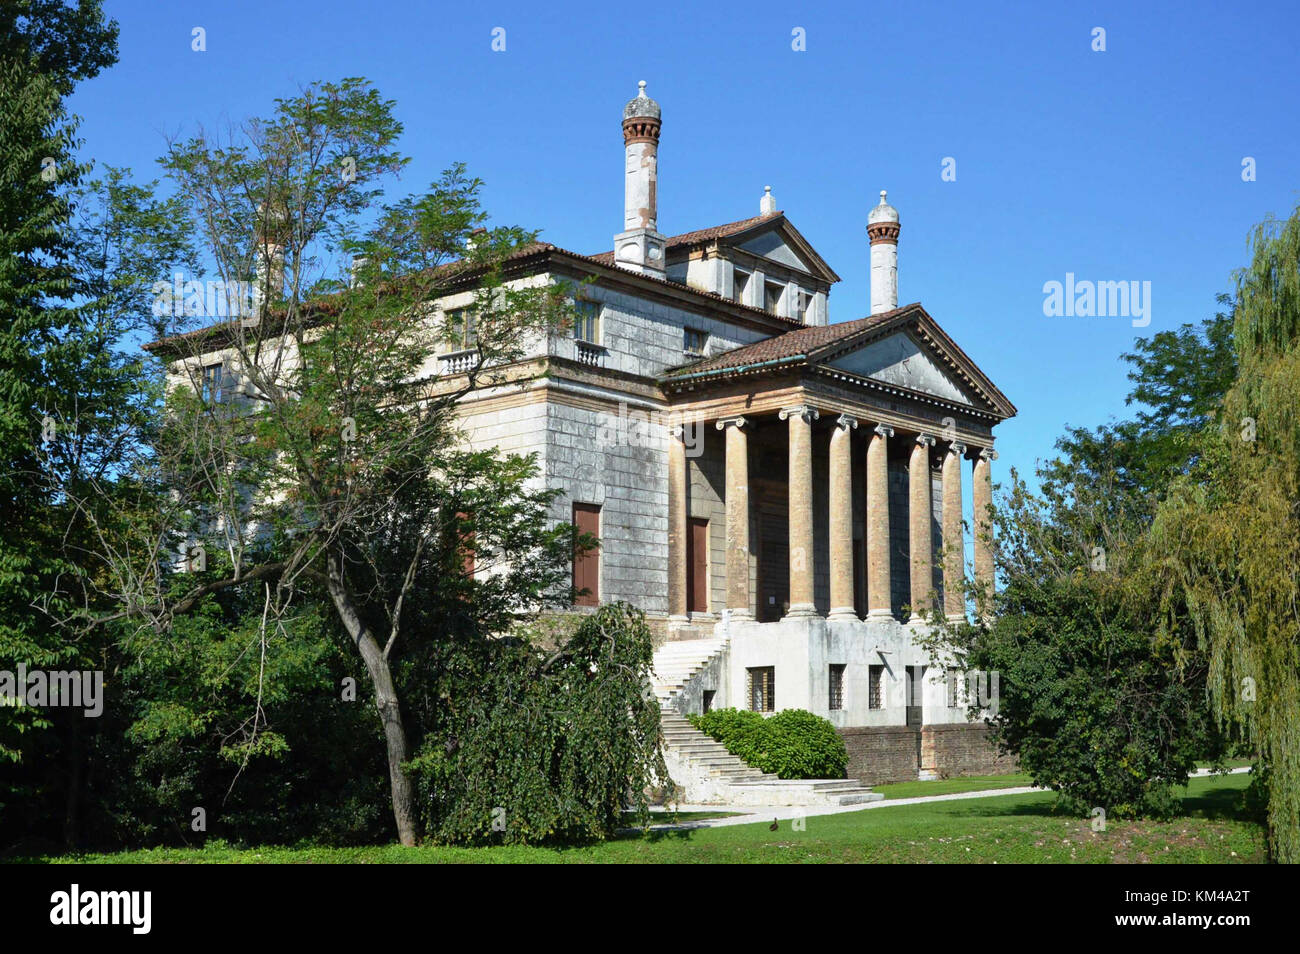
687,240
819,344
463,274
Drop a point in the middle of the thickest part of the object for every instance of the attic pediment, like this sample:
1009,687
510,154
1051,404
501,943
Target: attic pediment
772,245
900,360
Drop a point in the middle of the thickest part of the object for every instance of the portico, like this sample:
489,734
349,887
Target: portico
828,493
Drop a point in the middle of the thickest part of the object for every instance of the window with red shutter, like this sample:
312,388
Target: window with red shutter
586,565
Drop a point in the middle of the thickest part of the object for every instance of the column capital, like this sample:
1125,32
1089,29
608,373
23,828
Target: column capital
846,421
958,448
884,430
805,411
989,454
926,440
722,422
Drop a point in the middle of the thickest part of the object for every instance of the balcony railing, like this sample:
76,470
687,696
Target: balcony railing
589,354
459,362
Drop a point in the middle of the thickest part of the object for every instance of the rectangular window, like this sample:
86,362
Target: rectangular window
694,341
214,380
741,283
772,297
761,688
586,564
586,321
953,676
837,687
802,301
462,329
876,689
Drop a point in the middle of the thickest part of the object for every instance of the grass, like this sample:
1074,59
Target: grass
950,786
1002,829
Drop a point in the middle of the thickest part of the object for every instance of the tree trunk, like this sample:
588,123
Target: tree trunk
390,712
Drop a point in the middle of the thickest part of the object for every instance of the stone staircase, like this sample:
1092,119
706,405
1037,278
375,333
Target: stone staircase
705,772
678,661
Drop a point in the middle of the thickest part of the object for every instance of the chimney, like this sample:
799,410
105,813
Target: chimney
268,253
882,230
640,247
767,204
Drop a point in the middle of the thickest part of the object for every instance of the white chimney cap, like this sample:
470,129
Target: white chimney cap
884,212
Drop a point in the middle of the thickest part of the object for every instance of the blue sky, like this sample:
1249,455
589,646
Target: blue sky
1116,165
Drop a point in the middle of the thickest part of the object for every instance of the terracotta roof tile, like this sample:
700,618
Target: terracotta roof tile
792,344
702,235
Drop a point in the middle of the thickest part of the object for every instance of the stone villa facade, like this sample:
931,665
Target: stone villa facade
781,495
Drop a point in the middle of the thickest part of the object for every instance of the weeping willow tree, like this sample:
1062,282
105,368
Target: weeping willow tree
1230,534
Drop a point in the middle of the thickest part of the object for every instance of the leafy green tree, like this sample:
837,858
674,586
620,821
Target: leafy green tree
321,460
1229,534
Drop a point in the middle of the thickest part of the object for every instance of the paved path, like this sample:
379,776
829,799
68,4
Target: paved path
748,815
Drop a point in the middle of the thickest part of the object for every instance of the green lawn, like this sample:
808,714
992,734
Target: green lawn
1003,829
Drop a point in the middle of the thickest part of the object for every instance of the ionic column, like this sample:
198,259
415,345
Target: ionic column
841,518
879,602
918,518
954,548
983,501
676,528
737,517
801,510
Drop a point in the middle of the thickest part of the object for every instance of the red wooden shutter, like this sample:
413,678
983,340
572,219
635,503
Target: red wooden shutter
697,566
586,566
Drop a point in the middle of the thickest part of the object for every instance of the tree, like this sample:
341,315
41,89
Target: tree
1229,533
1096,699
45,47
321,458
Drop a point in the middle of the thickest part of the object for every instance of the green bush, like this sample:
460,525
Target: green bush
791,744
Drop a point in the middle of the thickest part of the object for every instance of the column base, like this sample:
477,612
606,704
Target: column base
843,613
802,611
677,621
917,621
878,615
740,615
955,618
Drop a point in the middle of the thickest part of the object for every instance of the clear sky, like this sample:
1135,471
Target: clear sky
1123,165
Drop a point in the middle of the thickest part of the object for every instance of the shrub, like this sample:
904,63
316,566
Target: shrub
791,744
542,746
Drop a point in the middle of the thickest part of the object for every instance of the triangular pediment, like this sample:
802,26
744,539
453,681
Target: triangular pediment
900,360
772,245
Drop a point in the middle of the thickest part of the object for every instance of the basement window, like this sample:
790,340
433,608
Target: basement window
876,687
836,700
760,688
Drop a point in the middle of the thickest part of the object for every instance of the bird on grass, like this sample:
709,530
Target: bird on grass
774,826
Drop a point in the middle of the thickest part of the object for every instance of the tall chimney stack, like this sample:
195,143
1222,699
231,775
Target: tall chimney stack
882,230
640,247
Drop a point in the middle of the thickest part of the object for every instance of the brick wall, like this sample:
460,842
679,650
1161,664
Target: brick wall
881,754
953,750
